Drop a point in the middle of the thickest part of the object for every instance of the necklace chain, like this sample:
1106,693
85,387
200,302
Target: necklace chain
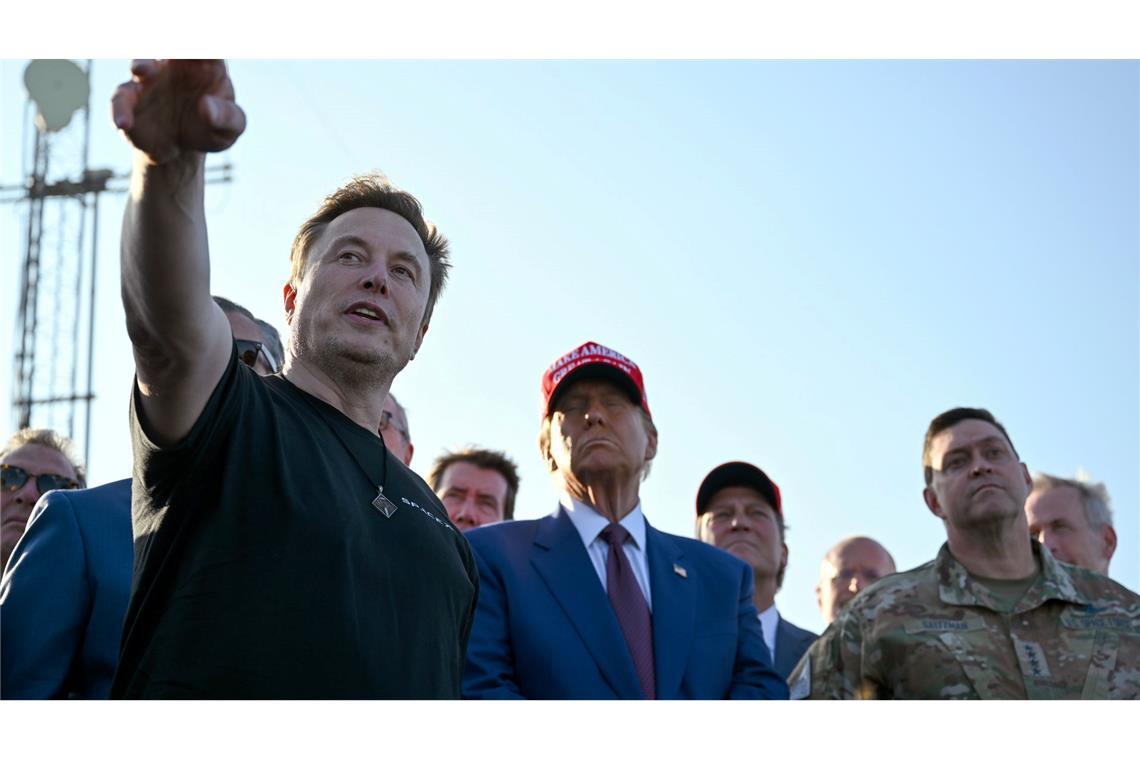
380,502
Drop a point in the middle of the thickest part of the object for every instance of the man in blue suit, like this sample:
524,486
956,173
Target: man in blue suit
592,602
65,593
739,509
65,590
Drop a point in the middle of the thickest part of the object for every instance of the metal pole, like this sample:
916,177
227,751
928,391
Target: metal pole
91,334
55,308
79,286
74,388
25,364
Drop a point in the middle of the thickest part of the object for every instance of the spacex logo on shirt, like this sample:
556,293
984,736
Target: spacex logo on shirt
411,503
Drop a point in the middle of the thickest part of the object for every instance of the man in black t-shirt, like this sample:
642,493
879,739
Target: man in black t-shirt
280,550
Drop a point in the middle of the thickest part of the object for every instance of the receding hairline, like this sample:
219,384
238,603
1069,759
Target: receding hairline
320,229
447,467
833,553
1093,496
49,439
984,439
7,454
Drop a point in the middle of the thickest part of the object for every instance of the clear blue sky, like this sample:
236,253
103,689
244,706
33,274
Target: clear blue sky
808,261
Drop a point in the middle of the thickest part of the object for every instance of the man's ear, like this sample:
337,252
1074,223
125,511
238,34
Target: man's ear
419,340
932,504
544,434
651,444
1108,536
290,294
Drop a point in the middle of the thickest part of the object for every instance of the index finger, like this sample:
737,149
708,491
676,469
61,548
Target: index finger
123,104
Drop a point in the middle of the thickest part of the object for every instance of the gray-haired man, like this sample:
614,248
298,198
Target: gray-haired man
1072,518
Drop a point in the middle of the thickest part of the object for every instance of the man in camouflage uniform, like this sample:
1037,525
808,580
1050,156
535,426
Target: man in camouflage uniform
994,616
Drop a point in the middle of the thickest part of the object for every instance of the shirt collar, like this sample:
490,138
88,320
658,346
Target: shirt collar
769,621
1055,581
589,522
770,618
955,586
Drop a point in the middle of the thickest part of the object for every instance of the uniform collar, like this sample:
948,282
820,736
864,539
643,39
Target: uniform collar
957,587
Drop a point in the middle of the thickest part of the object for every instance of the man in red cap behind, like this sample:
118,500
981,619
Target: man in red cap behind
592,602
739,509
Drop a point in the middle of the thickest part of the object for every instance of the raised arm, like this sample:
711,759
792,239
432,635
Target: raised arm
173,113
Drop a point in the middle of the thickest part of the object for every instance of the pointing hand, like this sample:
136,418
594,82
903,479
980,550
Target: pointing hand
174,107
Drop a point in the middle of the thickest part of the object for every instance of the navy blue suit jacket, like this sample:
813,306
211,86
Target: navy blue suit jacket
791,643
544,627
65,593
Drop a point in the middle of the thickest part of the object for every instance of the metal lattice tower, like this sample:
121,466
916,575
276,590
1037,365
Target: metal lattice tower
55,325
53,367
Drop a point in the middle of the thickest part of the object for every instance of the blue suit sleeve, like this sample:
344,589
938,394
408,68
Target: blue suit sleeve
754,676
490,672
44,603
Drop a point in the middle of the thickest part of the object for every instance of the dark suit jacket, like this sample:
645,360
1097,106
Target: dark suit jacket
791,643
65,594
544,627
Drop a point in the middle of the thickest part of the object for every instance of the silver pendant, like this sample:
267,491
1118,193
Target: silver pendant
382,503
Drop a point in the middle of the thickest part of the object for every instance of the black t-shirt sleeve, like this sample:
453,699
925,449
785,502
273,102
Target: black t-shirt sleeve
160,470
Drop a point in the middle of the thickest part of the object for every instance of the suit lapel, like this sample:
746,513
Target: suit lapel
790,646
564,566
674,607
784,646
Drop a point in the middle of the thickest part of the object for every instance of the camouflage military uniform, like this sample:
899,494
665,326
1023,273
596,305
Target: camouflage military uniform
935,633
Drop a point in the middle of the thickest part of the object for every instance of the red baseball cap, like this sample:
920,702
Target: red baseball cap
592,360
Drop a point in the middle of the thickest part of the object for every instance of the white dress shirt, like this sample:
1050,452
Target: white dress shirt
769,620
590,524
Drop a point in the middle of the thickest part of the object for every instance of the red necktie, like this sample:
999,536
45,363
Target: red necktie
629,605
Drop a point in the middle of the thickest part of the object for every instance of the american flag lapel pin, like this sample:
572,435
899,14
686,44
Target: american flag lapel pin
680,570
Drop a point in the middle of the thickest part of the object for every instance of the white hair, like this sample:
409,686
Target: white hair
1094,496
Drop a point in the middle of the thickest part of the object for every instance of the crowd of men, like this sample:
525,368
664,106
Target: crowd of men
272,541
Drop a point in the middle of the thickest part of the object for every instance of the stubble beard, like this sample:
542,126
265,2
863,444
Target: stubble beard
989,525
365,369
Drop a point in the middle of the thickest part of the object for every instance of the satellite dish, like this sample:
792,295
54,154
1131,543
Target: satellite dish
59,88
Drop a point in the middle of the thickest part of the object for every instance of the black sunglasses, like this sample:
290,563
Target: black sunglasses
13,478
249,350
387,421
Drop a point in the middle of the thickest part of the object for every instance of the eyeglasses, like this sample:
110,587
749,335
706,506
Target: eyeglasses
386,422
13,478
249,350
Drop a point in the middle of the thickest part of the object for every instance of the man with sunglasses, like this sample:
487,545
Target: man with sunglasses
258,345
63,599
32,462
282,550
394,430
